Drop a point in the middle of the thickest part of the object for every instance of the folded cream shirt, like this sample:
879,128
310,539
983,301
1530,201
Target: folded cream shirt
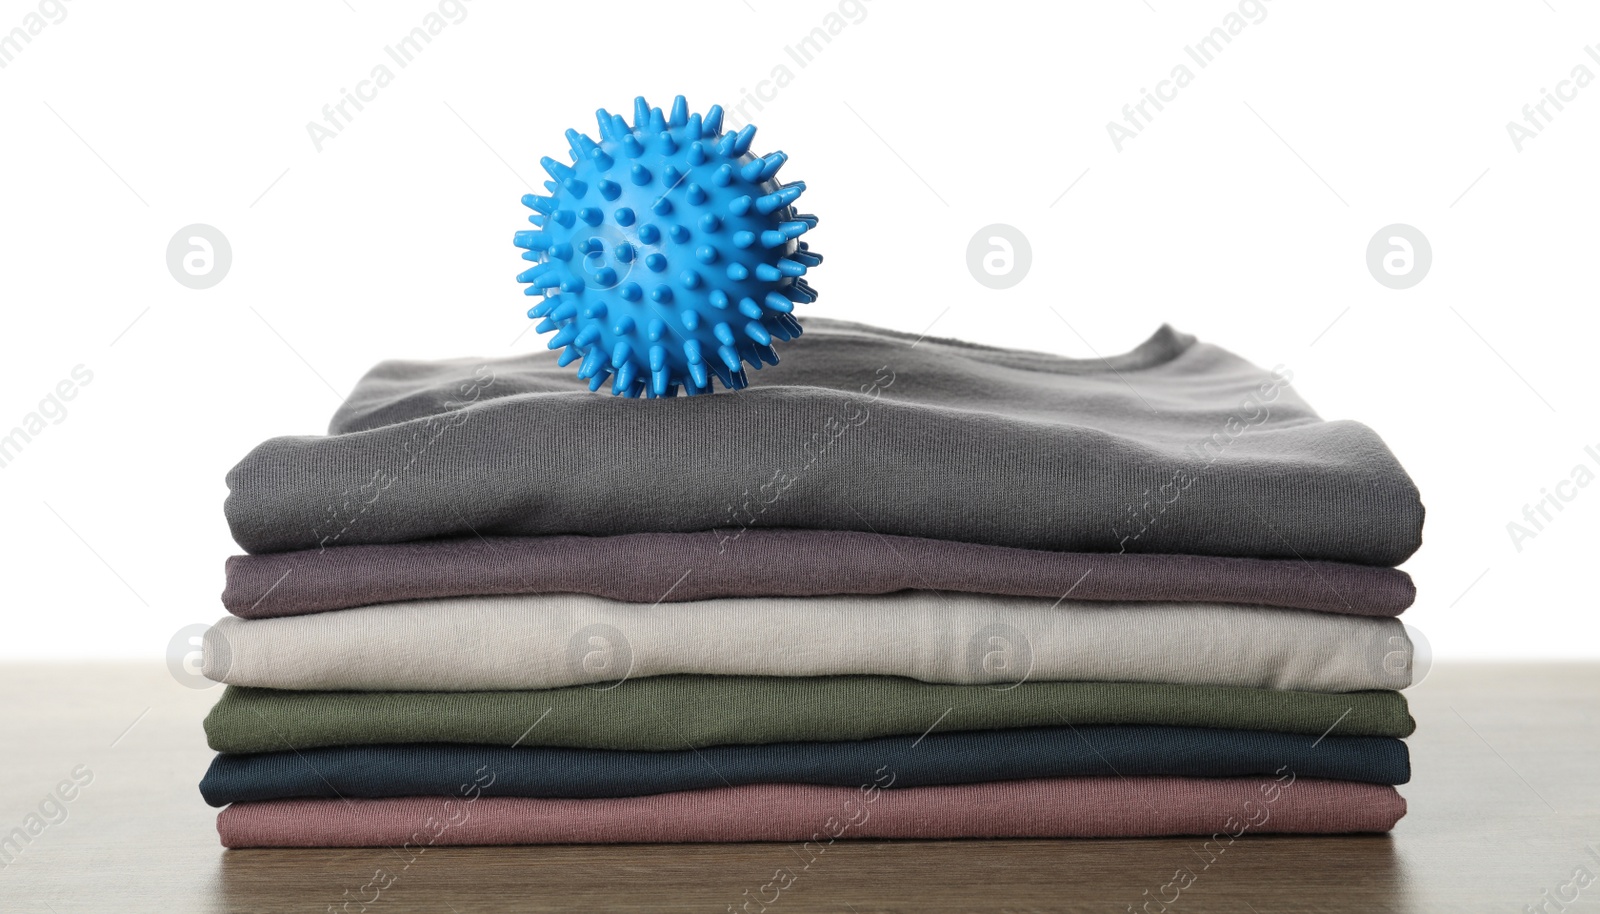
537,641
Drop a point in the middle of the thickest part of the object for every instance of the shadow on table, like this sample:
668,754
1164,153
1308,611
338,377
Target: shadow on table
1154,876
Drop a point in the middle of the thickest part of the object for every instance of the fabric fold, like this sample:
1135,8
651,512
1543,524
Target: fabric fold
1177,447
1225,809
678,712
933,759
684,567
541,641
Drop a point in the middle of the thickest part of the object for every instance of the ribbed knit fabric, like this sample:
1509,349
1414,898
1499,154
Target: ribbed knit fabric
922,761
679,712
1227,808
681,567
1175,447
538,641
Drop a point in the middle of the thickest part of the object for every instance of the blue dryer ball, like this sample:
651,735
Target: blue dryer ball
668,253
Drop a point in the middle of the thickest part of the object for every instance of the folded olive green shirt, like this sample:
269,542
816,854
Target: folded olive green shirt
674,712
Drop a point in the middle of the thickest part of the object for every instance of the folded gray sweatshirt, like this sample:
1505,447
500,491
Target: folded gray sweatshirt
1175,447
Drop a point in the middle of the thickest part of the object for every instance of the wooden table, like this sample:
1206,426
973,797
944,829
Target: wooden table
1505,807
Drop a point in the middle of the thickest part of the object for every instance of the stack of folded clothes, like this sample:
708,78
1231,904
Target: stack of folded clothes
899,588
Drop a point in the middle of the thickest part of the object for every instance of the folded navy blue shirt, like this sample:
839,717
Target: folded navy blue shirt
932,759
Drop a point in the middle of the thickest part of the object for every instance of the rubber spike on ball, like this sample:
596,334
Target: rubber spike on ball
632,296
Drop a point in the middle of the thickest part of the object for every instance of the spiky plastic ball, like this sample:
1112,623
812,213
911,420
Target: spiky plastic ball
668,252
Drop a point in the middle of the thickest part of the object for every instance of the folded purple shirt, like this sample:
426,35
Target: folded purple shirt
679,567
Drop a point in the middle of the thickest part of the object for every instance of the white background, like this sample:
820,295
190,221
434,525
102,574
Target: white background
1241,214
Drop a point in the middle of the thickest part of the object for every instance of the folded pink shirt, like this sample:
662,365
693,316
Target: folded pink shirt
1083,807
